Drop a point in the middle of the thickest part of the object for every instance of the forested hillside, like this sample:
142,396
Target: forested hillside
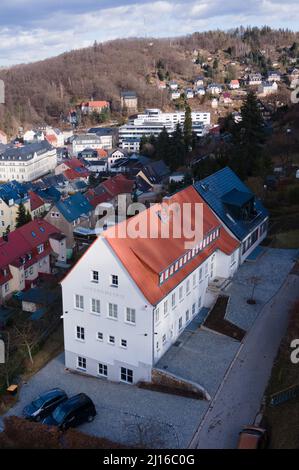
41,91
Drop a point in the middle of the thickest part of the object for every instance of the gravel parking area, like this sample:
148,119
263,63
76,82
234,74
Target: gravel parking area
125,413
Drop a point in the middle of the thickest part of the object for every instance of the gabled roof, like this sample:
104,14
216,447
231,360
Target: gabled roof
225,185
145,258
35,201
155,172
96,104
74,206
24,241
118,184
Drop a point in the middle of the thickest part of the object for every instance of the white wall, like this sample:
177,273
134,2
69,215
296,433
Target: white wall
138,355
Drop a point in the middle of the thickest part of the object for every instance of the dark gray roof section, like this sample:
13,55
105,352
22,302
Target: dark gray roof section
26,152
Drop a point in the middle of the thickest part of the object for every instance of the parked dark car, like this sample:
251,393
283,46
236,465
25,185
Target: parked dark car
76,410
44,405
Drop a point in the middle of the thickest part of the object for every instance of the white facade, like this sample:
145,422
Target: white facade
132,339
153,121
90,141
38,164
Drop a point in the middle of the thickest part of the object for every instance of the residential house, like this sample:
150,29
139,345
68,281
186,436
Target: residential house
119,185
54,136
3,138
255,79
175,95
237,207
173,85
33,135
129,298
234,84
97,166
90,107
27,162
200,91
214,89
155,174
12,194
129,101
73,169
189,93
273,76
116,154
108,135
81,142
69,213
199,82
27,253
226,98
37,205
267,88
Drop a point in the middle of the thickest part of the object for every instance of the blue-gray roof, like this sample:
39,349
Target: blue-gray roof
13,190
26,152
224,188
74,207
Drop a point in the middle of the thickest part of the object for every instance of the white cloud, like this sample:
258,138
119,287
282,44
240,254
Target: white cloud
53,31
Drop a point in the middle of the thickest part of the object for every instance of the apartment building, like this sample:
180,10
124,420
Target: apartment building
129,298
27,162
152,122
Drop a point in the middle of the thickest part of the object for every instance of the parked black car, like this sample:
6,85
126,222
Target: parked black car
76,410
43,405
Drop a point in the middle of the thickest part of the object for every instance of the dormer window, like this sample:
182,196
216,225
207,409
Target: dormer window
40,248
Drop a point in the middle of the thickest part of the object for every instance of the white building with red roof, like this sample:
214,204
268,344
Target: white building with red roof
136,289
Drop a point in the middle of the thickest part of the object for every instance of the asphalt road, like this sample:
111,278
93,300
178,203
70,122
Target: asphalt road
239,397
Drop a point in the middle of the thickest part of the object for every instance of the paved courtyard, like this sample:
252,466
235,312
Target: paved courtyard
270,271
134,416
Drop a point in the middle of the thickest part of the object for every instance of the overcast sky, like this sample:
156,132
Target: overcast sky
35,29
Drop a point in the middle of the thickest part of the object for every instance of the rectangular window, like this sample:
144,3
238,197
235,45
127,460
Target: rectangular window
180,323
188,286
131,315
126,375
157,315
173,300
95,276
40,248
80,333
114,280
194,280
111,339
95,306
181,293
79,302
123,343
165,307
193,309
99,336
81,362
103,369
164,339
187,315
199,303
112,312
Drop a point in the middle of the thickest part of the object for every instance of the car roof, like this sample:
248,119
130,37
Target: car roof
75,401
52,393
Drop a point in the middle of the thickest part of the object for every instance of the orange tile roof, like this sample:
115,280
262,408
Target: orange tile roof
97,104
146,258
102,153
